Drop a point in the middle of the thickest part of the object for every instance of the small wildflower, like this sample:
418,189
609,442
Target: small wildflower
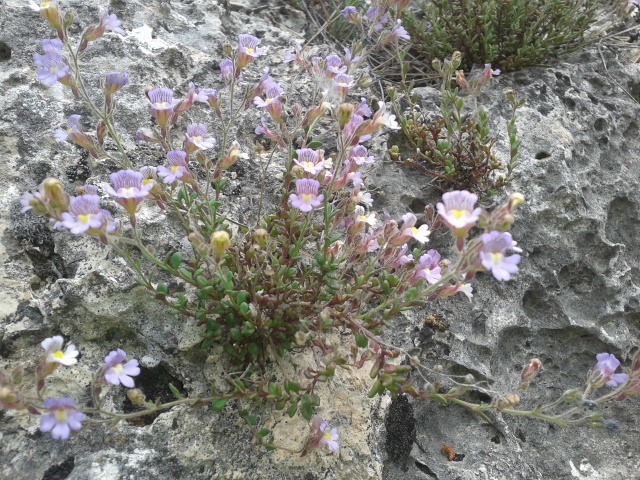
178,167
116,372
196,138
115,81
329,437
75,134
428,268
309,160
219,243
52,68
54,354
110,23
530,372
456,209
306,197
409,231
128,189
273,92
362,217
397,32
226,70
359,155
84,215
52,45
321,434
63,417
248,50
494,246
364,198
603,372
349,13
333,65
162,104
343,83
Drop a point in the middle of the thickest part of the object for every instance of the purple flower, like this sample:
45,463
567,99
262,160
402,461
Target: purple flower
248,50
494,246
409,231
197,136
178,167
333,65
603,372
115,81
397,32
363,108
273,92
161,99
308,160
342,82
52,68
52,45
456,209
61,419
116,373
226,70
428,268
306,197
128,189
329,437
349,13
359,155
110,23
73,122
84,215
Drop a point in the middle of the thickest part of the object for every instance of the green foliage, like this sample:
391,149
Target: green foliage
510,34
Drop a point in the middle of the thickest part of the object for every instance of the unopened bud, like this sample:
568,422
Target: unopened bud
438,369
146,135
7,395
345,111
136,396
260,236
300,338
231,157
54,194
436,64
515,200
219,243
508,401
227,49
530,372
469,379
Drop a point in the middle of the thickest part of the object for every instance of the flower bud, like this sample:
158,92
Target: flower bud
530,372
300,338
54,194
146,135
469,379
220,242
7,396
508,401
136,396
515,200
260,236
115,81
345,111
230,158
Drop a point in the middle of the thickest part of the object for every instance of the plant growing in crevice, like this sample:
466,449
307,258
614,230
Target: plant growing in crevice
511,34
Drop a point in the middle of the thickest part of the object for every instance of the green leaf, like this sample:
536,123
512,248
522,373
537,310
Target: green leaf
264,432
248,418
314,144
162,289
175,392
175,260
362,341
219,403
291,411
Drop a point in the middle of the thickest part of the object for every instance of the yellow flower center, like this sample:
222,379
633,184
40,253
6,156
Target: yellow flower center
57,355
195,139
306,197
414,230
308,164
363,218
84,217
249,50
118,368
61,415
161,104
427,271
458,213
327,436
45,4
174,168
127,191
147,181
496,258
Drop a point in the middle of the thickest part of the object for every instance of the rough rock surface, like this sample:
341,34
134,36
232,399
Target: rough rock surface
576,296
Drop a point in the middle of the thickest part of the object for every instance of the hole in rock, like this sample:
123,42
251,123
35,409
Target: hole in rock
401,428
154,383
60,471
5,52
542,155
425,469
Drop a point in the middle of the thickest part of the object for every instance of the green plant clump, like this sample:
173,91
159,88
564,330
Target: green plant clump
510,34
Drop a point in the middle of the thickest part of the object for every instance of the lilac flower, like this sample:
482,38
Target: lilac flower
296,56
115,81
162,104
377,18
248,50
84,215
368,243
204,95
365,198
73,122
428,267
63,417
603,372
397,32
273,91
52,68
456,209
54,354
359,155
52,45
494,246
178,167
409,231
110,23
309,161
348,58
333,65
401,257
197,136
128,189
226,70
349,12
343,83
115,373
306,197
488,72
329,437
363,108
356,179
